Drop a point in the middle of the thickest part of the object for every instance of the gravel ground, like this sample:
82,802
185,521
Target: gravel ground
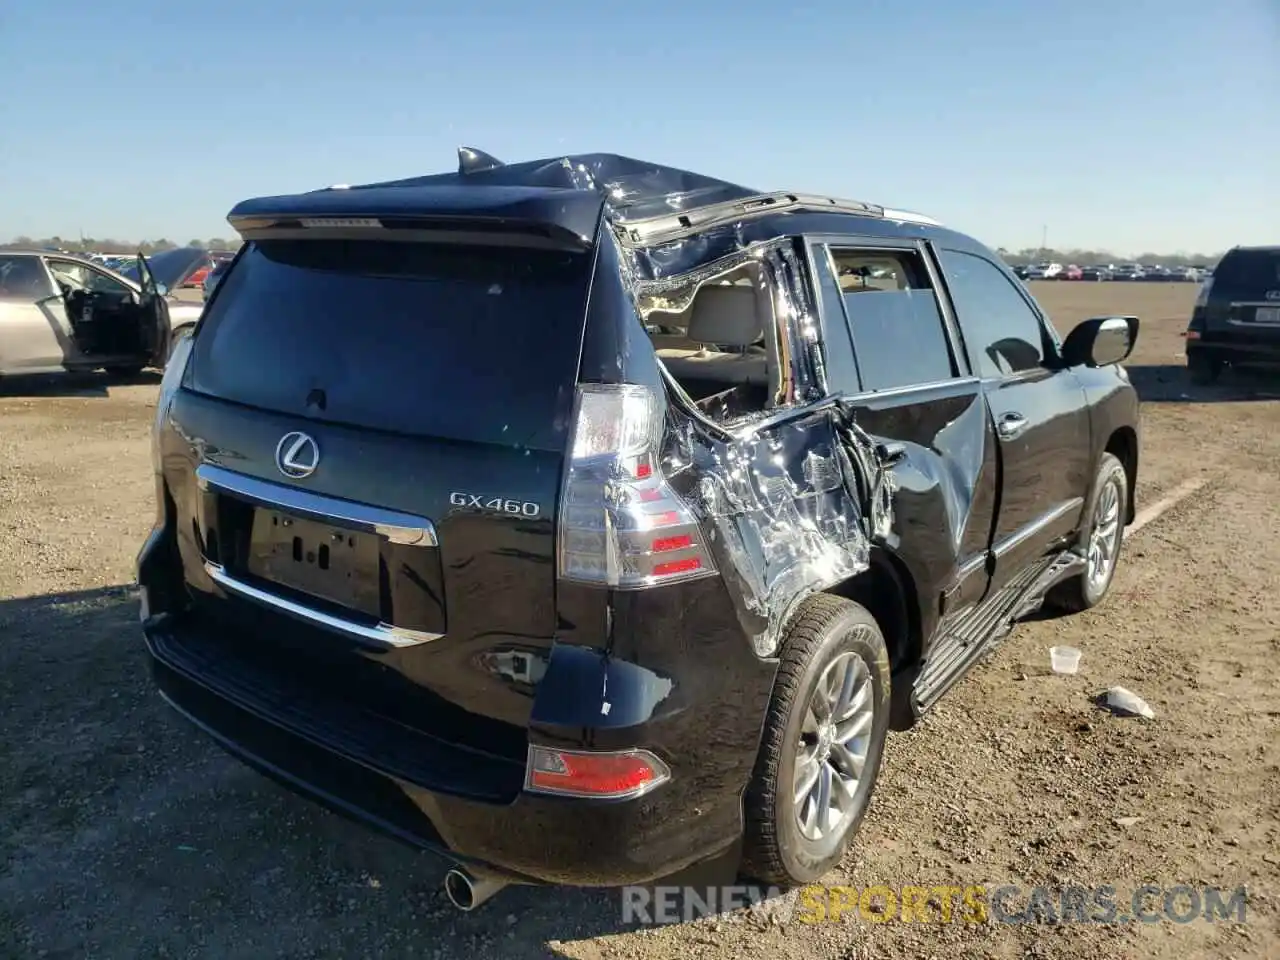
127,834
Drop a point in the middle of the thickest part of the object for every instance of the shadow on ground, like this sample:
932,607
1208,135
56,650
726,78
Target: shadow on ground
129,834
72,384
1169,383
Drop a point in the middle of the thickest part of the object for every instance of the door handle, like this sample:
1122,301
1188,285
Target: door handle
1010,425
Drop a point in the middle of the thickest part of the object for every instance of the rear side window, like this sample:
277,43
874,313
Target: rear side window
439,340
1248,273
898,335
23,278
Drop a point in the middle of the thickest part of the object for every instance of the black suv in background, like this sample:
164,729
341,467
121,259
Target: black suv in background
1236,319
587,520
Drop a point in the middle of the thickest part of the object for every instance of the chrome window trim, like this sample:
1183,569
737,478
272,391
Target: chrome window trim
912,388
382,634
392,525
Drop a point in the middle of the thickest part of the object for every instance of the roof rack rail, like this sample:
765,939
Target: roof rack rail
910,216
673,225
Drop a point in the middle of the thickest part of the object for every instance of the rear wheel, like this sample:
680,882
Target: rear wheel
1100,541
1203,370
823,741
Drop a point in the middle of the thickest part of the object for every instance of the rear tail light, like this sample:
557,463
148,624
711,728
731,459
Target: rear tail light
621,523
613,775
169,384
1202,298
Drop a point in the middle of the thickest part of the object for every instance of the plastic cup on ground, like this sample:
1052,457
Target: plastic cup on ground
1064,659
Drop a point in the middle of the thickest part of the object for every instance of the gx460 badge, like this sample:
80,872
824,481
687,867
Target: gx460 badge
477,501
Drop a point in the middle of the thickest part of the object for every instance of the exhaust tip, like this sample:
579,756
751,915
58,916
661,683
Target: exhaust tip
458,888
467,892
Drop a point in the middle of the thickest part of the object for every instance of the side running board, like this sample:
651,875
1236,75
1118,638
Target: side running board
971,634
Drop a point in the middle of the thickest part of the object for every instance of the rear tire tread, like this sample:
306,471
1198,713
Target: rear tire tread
804,634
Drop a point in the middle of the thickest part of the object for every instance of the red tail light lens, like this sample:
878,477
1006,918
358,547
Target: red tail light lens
621,523
612,775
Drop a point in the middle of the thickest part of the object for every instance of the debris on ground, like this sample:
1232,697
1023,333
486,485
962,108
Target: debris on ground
1125,703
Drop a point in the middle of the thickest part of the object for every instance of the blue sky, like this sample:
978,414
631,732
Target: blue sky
1126,124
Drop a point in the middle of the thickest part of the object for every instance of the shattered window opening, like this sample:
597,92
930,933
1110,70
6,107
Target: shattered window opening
738,335
717,335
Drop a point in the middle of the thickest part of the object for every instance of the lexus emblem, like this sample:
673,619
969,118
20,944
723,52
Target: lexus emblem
297,455
1273,294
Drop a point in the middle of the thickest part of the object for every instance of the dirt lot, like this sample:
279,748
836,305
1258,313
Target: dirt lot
127,834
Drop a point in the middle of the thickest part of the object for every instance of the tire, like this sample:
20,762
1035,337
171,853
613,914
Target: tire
1203,370
828,637
1086,590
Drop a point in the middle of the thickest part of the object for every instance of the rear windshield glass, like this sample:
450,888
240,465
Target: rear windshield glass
1248,271
440,340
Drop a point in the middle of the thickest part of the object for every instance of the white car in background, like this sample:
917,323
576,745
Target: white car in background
1044,271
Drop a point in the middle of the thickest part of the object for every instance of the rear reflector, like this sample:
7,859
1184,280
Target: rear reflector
614,775
688,565
663,544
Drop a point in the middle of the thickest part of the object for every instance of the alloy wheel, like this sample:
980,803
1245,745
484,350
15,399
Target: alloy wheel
1104,540
834,739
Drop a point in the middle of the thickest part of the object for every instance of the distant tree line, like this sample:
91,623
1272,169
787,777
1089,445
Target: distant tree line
109,245
1086,258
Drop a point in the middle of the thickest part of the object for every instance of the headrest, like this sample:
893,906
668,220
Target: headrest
725,315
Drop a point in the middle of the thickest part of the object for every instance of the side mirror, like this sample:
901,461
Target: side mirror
162,290
1100,342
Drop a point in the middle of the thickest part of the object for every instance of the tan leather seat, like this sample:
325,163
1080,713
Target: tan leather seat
721,316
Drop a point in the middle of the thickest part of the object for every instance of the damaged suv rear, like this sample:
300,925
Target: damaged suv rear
591,521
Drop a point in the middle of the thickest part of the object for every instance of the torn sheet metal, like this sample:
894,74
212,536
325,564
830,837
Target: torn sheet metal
775,267
793,509
630,187
792,499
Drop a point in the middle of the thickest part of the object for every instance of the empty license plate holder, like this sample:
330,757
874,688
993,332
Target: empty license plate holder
329,562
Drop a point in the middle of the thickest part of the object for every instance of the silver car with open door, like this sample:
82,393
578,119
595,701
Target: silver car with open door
60,312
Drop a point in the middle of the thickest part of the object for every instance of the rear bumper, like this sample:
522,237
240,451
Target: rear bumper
1217,346
531,838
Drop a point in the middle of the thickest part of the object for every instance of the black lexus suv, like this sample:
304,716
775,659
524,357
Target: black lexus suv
1236,319
591,521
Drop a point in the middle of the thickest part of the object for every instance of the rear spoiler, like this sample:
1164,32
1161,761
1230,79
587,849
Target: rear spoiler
555,218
